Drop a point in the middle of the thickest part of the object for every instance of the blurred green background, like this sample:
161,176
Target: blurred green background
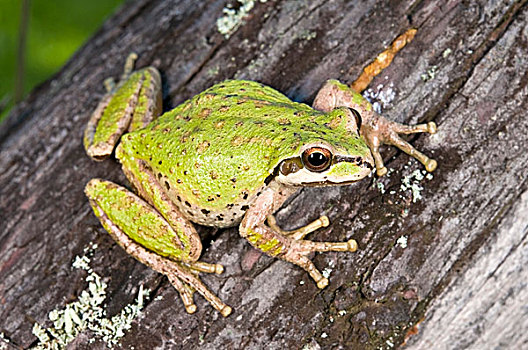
55,29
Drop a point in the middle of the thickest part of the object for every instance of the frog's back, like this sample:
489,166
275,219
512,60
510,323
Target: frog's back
217,151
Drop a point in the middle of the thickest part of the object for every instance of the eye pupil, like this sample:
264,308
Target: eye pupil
317,159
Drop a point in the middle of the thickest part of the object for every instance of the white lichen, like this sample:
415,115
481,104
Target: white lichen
3,341
308,35
87,313
234,18
381,187
380,97
402,241
412,182
313,345
430,74
81,262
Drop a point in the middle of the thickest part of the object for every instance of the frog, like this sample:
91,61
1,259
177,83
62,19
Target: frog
229,156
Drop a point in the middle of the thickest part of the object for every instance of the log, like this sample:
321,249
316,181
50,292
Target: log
443,268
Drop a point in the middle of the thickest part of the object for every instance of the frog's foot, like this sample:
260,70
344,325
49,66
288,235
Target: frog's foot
187,292
109,84
301,232
387,132
129,65
299,250
127,106
186,282
287,245
200,266
294,250
135,225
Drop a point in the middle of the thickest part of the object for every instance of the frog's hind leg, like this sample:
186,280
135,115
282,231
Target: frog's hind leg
127,106
148,186
287,245
170,248
375,129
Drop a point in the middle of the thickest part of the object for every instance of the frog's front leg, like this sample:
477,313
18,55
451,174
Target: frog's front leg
301,232
127,106
292,248
376,129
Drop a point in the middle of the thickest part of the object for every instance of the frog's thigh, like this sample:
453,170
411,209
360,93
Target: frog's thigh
148,187
135,102
117,207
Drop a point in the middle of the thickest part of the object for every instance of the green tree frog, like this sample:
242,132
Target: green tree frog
229,156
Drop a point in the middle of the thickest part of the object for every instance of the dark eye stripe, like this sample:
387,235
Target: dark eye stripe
351,159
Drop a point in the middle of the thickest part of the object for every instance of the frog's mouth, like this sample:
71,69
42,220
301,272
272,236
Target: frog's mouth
344,170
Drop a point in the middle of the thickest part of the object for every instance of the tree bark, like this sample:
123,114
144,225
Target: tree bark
447,271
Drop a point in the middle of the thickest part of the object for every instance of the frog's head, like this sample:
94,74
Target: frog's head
337,159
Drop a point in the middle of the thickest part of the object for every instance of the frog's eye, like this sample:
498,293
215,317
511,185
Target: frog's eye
317,159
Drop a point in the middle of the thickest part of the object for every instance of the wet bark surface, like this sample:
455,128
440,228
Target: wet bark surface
446,270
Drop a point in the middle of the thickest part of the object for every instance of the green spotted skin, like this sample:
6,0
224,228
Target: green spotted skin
116,206
357,98
143,101
110,125
272,247
216,152
129,106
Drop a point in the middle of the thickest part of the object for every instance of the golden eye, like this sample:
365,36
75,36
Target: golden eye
317,159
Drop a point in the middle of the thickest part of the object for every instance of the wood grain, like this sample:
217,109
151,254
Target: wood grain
459,284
